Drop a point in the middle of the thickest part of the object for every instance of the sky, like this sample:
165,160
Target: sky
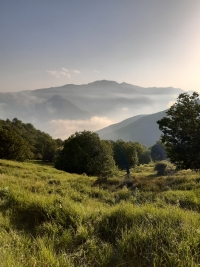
142,42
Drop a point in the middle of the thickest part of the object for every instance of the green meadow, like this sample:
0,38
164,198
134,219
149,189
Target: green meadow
53,218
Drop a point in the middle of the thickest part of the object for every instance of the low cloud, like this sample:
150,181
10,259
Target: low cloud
96,71
65,70
76,71
124,109
63,73
170,103
64,128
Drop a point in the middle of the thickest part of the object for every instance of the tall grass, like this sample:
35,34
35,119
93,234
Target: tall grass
52,218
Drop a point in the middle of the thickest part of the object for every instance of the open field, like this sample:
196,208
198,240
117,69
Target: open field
52,218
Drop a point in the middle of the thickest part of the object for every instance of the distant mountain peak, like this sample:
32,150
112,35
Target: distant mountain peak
128,84
104,83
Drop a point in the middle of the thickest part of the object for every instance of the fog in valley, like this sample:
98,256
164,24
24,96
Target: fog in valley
61,111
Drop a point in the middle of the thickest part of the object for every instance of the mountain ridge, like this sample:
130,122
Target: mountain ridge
100,99
143,130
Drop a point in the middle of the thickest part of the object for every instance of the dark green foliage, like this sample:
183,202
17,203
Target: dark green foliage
84,152
13,147
158,152
142,153
125,154
46,146
42,145
59,142
181,130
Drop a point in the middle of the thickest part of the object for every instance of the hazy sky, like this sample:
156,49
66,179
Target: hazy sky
45,43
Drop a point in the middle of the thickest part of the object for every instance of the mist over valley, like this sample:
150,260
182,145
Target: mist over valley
61,111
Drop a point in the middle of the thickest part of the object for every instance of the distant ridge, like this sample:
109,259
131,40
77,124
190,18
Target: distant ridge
142,129
108,130
107,99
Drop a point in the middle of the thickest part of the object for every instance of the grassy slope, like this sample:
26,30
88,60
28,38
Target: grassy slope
52,218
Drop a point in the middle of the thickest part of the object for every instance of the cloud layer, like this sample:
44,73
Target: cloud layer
64,128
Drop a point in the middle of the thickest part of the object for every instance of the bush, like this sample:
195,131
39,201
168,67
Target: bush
163,167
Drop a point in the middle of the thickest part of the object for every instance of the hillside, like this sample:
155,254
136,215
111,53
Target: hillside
52,218
116,126
142,129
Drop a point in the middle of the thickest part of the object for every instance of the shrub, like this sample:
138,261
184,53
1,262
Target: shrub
163,167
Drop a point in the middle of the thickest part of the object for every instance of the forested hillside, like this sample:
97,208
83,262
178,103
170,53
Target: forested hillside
40,145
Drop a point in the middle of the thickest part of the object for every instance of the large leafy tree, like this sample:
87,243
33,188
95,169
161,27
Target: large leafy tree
84,152
181,132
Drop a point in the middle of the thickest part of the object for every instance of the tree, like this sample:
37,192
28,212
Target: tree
158,152
181,132
142,153
125,154
84,152
13,147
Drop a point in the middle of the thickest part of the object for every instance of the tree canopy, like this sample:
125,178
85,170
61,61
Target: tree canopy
13,147
125,154
84,152
158,152
41,145
143,153
181,132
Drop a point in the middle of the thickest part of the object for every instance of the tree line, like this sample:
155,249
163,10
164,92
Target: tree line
83,152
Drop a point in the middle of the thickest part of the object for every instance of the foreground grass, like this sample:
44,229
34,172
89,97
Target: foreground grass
52,218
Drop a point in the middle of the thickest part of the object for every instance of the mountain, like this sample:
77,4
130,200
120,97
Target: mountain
109,99
108,130
112,99
59,108
27,107
142,129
